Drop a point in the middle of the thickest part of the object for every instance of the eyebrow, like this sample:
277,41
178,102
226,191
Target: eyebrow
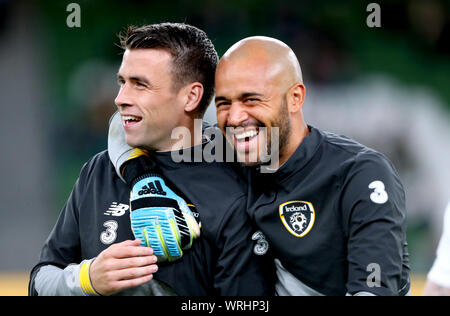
135,78
240,97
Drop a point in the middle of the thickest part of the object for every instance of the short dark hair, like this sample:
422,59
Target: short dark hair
194,56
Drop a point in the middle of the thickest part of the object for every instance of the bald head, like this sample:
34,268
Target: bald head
259,86
276,56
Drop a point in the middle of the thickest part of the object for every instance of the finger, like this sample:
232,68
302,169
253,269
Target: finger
128,251
135,242
133,262
130,283
135,273
111,250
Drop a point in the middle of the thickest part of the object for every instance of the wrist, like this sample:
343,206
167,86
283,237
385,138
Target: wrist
85,279
137,166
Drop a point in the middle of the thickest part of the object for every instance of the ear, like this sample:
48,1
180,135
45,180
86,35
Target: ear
296,97
193,96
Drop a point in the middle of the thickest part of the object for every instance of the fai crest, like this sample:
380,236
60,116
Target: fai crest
298,217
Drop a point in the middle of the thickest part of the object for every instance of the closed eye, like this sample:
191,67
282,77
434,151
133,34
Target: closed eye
219,104
221,101
251,97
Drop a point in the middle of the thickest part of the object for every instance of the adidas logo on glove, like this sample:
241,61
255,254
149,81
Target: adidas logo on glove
152,188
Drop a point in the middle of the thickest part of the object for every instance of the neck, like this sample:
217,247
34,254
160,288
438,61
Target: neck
185,136
295,140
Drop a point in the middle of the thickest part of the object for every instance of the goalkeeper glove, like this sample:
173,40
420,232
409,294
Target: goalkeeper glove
159,217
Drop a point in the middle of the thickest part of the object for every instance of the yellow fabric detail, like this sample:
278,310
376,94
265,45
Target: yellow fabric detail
85,282
136,152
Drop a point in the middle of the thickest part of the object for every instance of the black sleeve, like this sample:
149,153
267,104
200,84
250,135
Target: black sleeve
239,271
62,246
373,203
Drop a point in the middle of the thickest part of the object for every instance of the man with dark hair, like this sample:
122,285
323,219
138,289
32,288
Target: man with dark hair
166,80
193,55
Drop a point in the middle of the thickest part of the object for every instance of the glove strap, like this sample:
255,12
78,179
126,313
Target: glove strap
153,202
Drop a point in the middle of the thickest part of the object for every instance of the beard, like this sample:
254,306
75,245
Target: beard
282,122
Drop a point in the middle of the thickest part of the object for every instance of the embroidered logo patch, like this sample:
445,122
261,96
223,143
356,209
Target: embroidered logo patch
298,217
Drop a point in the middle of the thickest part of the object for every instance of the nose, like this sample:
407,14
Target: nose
123,97
237,114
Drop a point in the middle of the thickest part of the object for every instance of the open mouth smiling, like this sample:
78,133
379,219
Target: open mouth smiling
130,120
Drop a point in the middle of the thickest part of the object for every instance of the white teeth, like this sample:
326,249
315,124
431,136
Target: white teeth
130,118
246,134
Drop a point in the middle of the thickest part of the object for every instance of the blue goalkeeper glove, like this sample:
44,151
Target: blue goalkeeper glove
159,217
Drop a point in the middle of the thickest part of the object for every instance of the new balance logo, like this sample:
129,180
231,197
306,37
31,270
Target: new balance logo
117,209
152,188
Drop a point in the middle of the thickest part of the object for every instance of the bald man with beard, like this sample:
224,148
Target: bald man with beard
332,210
274,85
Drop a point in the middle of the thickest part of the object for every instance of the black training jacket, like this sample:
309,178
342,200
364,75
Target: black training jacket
334,215
221,262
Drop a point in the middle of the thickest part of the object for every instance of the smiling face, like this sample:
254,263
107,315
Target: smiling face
149,106
256,92
249,104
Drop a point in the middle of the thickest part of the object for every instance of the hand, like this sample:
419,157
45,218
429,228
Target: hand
121,266
159,217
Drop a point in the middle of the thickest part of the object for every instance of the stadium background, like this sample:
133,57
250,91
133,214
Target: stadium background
386,87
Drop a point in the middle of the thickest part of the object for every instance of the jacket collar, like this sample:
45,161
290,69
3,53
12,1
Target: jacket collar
299,159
